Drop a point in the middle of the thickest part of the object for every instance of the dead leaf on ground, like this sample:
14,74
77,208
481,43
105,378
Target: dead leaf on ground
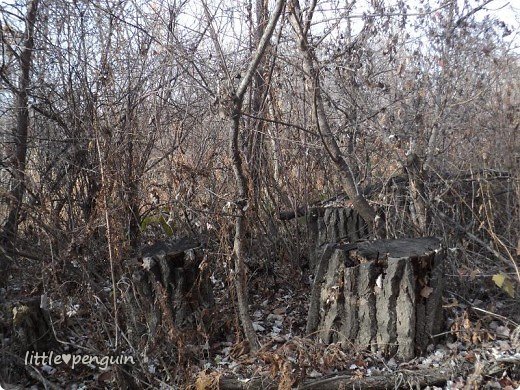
207,381
503,281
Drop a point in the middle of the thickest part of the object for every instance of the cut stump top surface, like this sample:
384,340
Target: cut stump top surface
170,248
406,247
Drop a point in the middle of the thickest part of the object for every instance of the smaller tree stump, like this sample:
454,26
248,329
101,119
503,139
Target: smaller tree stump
332,225
171,289
383,295
27,324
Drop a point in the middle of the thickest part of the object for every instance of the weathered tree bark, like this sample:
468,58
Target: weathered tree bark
26,327
171,287
10,229
359,202
332,225
383,295
329,221
31,325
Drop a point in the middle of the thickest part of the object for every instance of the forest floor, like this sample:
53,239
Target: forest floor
480,348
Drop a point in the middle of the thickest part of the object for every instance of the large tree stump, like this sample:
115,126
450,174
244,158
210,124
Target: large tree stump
171,290
383,295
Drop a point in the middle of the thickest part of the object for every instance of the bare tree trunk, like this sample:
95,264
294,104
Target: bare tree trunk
419,203
238,244
442,93
20,137
274,143
359,202
232,102
131,187
258,97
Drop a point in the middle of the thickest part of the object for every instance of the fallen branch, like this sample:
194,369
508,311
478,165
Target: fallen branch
403,378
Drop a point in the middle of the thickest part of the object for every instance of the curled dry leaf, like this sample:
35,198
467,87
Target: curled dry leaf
426,291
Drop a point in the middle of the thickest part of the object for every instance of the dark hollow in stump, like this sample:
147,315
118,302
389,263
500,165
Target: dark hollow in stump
171,290
382,295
